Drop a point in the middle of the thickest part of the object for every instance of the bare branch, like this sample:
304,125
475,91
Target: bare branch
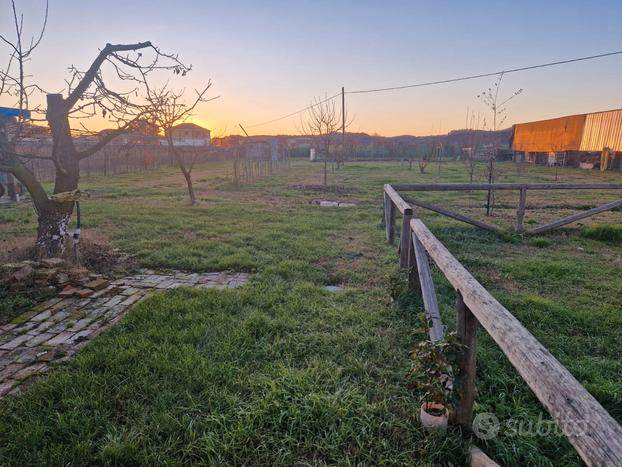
106,139
91,73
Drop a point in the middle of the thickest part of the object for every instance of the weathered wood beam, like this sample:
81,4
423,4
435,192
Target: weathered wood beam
428,292
413,271
480,459
505,186
575,217
405,241
389,219
466,328
386,205
453,215
520,212
595,435
402,205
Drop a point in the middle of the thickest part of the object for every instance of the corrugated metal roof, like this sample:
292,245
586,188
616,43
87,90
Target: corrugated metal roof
602,130
585,132
557,134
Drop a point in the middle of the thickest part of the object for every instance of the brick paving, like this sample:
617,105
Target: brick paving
58,328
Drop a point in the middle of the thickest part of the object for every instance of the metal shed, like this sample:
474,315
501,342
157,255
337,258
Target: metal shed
602,130
584,132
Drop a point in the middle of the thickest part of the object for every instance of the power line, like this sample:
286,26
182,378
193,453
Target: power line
295,113
445,81
483,75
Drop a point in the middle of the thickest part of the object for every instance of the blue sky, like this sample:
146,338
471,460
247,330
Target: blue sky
270,58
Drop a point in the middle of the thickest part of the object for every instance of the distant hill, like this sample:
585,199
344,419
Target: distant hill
458,138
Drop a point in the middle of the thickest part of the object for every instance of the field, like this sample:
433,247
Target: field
283,372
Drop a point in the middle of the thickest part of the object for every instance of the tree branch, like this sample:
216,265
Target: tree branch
26,178
91,73
106,139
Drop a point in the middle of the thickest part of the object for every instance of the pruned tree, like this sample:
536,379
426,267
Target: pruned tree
167,109
113,87
323,121
490,97
423,163
473,127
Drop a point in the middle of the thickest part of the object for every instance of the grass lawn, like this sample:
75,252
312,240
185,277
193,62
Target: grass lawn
282,372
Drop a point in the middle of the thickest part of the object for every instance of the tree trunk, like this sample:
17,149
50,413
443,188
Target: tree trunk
325,172
53,219
188,178
179,158
53,229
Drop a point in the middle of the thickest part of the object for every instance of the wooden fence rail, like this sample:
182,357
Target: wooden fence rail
504,186
522,202
595,435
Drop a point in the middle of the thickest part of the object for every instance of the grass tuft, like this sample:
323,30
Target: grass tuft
604,232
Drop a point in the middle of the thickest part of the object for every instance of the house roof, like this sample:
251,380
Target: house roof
189,126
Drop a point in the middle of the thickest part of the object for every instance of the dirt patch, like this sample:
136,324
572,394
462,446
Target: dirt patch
355,264
338,189
95,253
497,278
15,249
612,258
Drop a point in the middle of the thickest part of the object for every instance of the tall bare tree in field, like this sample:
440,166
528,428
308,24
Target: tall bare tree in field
113,87
491,99
323,121
167,109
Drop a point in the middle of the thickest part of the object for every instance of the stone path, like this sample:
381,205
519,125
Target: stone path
56,329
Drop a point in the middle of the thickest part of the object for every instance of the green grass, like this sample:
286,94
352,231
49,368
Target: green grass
281,372
12,304
606,233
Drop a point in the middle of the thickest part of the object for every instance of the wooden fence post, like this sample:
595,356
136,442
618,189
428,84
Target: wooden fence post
405,239
389,212
413,271
428,292
466,327
520,213
384,209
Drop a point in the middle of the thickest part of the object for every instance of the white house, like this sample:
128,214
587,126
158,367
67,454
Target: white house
189,134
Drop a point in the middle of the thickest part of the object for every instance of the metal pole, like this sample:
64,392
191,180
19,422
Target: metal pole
240,125
343,122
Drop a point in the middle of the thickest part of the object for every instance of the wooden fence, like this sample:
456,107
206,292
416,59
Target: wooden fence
253,160
522,202
121,159
247,170
599,441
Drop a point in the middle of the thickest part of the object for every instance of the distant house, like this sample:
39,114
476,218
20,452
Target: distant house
189,134
142,133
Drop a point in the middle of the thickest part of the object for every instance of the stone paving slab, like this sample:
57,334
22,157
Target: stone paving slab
56,329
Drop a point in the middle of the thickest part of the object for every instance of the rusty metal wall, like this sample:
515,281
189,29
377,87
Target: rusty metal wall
554,135
602,130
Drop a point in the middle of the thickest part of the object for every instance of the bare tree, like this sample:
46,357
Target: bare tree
473,128
423,162
490,97
168,109
14,81
323,121
88,94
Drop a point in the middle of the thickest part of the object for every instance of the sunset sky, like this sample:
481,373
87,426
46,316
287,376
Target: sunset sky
270,58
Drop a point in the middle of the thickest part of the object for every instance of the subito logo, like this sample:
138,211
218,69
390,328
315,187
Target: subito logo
486,426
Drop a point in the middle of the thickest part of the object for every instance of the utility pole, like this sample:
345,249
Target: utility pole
343,123
240,125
